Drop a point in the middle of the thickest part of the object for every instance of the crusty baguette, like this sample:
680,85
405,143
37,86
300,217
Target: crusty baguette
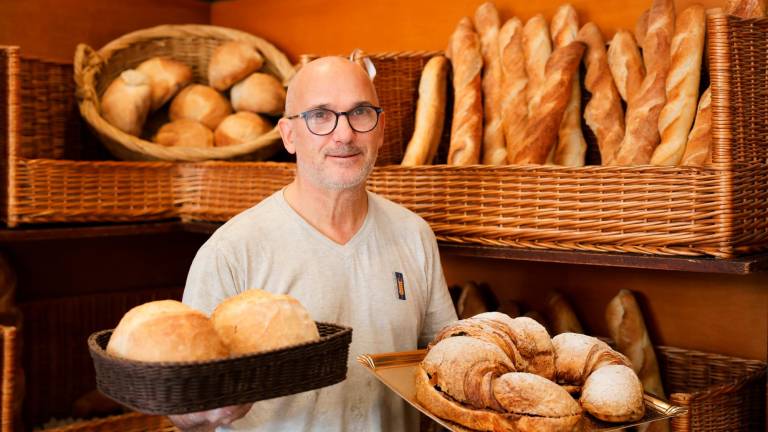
467,127
603,112
641,27
562,318
537,48
571,146
642,133
747,8
627,328
487,25
626,64
698,149
430,113
514,103
682,86
545,118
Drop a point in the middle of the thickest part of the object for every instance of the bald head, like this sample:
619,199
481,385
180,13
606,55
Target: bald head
328,74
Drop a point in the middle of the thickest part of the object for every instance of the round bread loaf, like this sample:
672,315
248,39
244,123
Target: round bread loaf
613,393
184,133
231,62
260,93
240,128
166,78
200,103
256,320
165,331
126,102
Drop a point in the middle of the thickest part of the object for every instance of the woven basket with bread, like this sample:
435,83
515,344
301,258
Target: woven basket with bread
165,357
184,93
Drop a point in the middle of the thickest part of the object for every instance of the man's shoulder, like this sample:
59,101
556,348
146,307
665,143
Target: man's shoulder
252,221
396,213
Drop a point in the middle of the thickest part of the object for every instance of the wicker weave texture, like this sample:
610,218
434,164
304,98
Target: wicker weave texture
130,422
721,393
178,388
9,374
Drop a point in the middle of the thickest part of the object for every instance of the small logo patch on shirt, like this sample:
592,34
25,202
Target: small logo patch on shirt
400,285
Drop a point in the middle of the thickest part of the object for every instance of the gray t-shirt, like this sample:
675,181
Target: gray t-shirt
271,247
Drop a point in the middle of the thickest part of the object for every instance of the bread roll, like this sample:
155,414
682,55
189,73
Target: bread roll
240,128
627,328
231,62
467,126
682,86
126,102
642,133
614,394
562,318
200,103
747,8
165,331
256,320
603,113
260,93
487,25
184,133
545,118
514,103
571,146
698,149
166,78
626,64
430,114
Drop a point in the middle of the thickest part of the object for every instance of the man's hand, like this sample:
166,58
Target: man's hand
208,421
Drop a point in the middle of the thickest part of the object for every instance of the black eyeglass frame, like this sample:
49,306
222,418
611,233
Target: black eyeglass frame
304,115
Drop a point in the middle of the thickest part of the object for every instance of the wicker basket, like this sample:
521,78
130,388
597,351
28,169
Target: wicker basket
130,422
10,393
190,44
183,387
721,393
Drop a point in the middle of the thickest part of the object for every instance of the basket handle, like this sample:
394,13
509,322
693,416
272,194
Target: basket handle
87,61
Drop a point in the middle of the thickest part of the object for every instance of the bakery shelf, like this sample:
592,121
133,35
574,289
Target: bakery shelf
77,231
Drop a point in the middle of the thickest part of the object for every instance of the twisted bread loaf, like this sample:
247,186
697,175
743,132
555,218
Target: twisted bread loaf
514,105
487,25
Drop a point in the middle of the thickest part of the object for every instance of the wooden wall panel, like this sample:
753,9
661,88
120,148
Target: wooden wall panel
51,29
321,27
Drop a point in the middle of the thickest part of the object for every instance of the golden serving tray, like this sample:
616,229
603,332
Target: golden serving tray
398,369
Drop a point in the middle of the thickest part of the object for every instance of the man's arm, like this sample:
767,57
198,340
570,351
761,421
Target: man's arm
440,309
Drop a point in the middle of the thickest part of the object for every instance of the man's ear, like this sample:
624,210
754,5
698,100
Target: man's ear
286,133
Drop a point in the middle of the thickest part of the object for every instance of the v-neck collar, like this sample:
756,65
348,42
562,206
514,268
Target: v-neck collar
321,238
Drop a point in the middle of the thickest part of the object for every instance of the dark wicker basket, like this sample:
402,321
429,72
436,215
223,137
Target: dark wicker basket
183,387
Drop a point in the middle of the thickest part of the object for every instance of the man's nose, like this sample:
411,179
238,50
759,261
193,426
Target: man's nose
343,131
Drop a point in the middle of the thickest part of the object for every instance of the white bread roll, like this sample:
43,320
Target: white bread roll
184,133
260,93
682,86
256,320
241,127
165,330
166,78
613,393
200,103
231,62
487,25
430,114
626,64
126,102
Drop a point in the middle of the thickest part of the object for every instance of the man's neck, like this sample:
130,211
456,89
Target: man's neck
337,214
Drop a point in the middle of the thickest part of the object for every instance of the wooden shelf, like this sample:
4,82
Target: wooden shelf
742,265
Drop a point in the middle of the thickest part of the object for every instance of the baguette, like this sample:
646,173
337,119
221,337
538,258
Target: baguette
487,25
467,127
537,49
642,133
698,149
747,8
545,118
682,86
561,315
626,64
603,112
571,146
514,108
430,114
641,27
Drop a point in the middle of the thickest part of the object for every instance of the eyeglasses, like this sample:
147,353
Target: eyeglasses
322,121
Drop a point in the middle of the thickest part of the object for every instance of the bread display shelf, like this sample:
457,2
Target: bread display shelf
183,387
397,371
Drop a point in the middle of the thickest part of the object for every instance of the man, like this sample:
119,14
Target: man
349,256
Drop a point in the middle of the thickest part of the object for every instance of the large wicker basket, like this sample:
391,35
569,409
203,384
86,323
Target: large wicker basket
191,44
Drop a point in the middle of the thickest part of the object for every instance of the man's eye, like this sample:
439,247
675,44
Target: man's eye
360,111
319,115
